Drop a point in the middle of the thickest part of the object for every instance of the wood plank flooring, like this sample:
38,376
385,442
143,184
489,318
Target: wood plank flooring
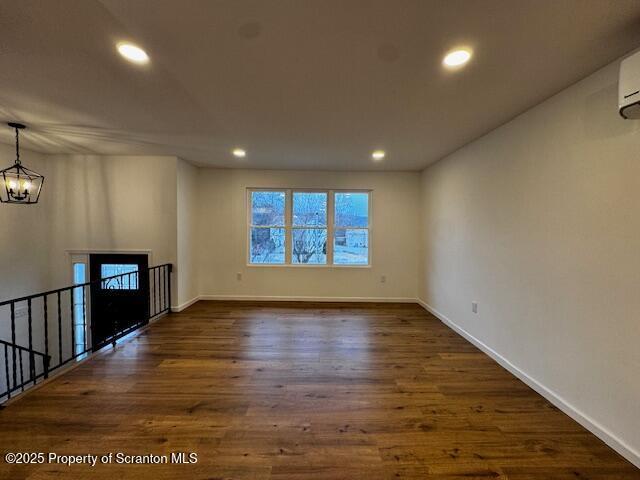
302,391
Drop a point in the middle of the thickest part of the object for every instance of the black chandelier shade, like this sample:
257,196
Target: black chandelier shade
19,184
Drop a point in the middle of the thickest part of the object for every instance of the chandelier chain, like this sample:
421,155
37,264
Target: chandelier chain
17,146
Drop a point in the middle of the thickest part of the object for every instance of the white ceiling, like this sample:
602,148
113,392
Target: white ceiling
304,84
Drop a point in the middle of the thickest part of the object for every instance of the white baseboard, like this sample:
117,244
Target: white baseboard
270,298
182,306
293,298
594,427
288,298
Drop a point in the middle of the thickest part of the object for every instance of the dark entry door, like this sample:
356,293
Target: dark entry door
119,303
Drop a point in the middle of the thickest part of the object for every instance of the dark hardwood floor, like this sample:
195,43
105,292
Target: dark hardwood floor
302,391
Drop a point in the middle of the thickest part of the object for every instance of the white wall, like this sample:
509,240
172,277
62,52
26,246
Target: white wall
222,251
110,203
538,222
187,228
23,239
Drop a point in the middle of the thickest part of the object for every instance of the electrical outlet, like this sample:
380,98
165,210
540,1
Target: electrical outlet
383,279
474,307
239,276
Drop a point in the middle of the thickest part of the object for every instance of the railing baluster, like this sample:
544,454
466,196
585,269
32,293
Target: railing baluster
73,319
32,364
6,369
92,328
154,294
45,365
59,328
21,372
169,269
164,289
136,277
13,340
84,318
46,325
158,308
152,290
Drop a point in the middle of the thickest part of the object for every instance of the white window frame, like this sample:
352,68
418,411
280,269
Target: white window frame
288,226
335,227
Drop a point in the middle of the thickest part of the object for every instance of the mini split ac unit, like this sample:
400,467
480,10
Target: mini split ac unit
629,87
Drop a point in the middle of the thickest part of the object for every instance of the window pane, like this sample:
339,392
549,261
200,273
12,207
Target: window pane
79,270
309,246
352,209
267,208
78,277
125,282
267,245
309,209
79,308
351,246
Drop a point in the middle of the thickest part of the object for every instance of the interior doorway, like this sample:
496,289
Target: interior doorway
121,302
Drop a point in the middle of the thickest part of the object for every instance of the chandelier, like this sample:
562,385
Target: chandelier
19,184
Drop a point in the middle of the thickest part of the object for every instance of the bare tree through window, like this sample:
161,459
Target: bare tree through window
267,227
309,228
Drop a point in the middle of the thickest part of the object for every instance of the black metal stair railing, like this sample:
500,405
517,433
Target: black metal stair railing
21,383
58,328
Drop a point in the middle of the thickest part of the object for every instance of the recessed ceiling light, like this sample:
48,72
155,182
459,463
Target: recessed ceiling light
378,155
239,153
133,53
457,58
